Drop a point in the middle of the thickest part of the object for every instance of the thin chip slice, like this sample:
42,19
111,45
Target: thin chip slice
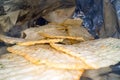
51,29
62,37
44,54
78,31
11,40
72,22
75,29
29,43
97,53
14,67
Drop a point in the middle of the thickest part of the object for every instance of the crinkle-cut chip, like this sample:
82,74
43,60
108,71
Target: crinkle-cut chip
62,37
14,67
44,54
59,15
51,29
11,40
97,53
29,43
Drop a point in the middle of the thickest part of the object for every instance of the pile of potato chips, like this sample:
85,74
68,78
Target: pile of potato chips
56,52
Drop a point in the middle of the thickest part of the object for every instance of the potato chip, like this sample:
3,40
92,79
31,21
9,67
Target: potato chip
51,29
44,54
11,40
14,67
29,43
72,22
77,31
62,37
97,53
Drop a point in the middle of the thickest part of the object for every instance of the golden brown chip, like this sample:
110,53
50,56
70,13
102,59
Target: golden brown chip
62,37
14,67
51,29
29,43
75,29
78,31
72,22
97,53
44,54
